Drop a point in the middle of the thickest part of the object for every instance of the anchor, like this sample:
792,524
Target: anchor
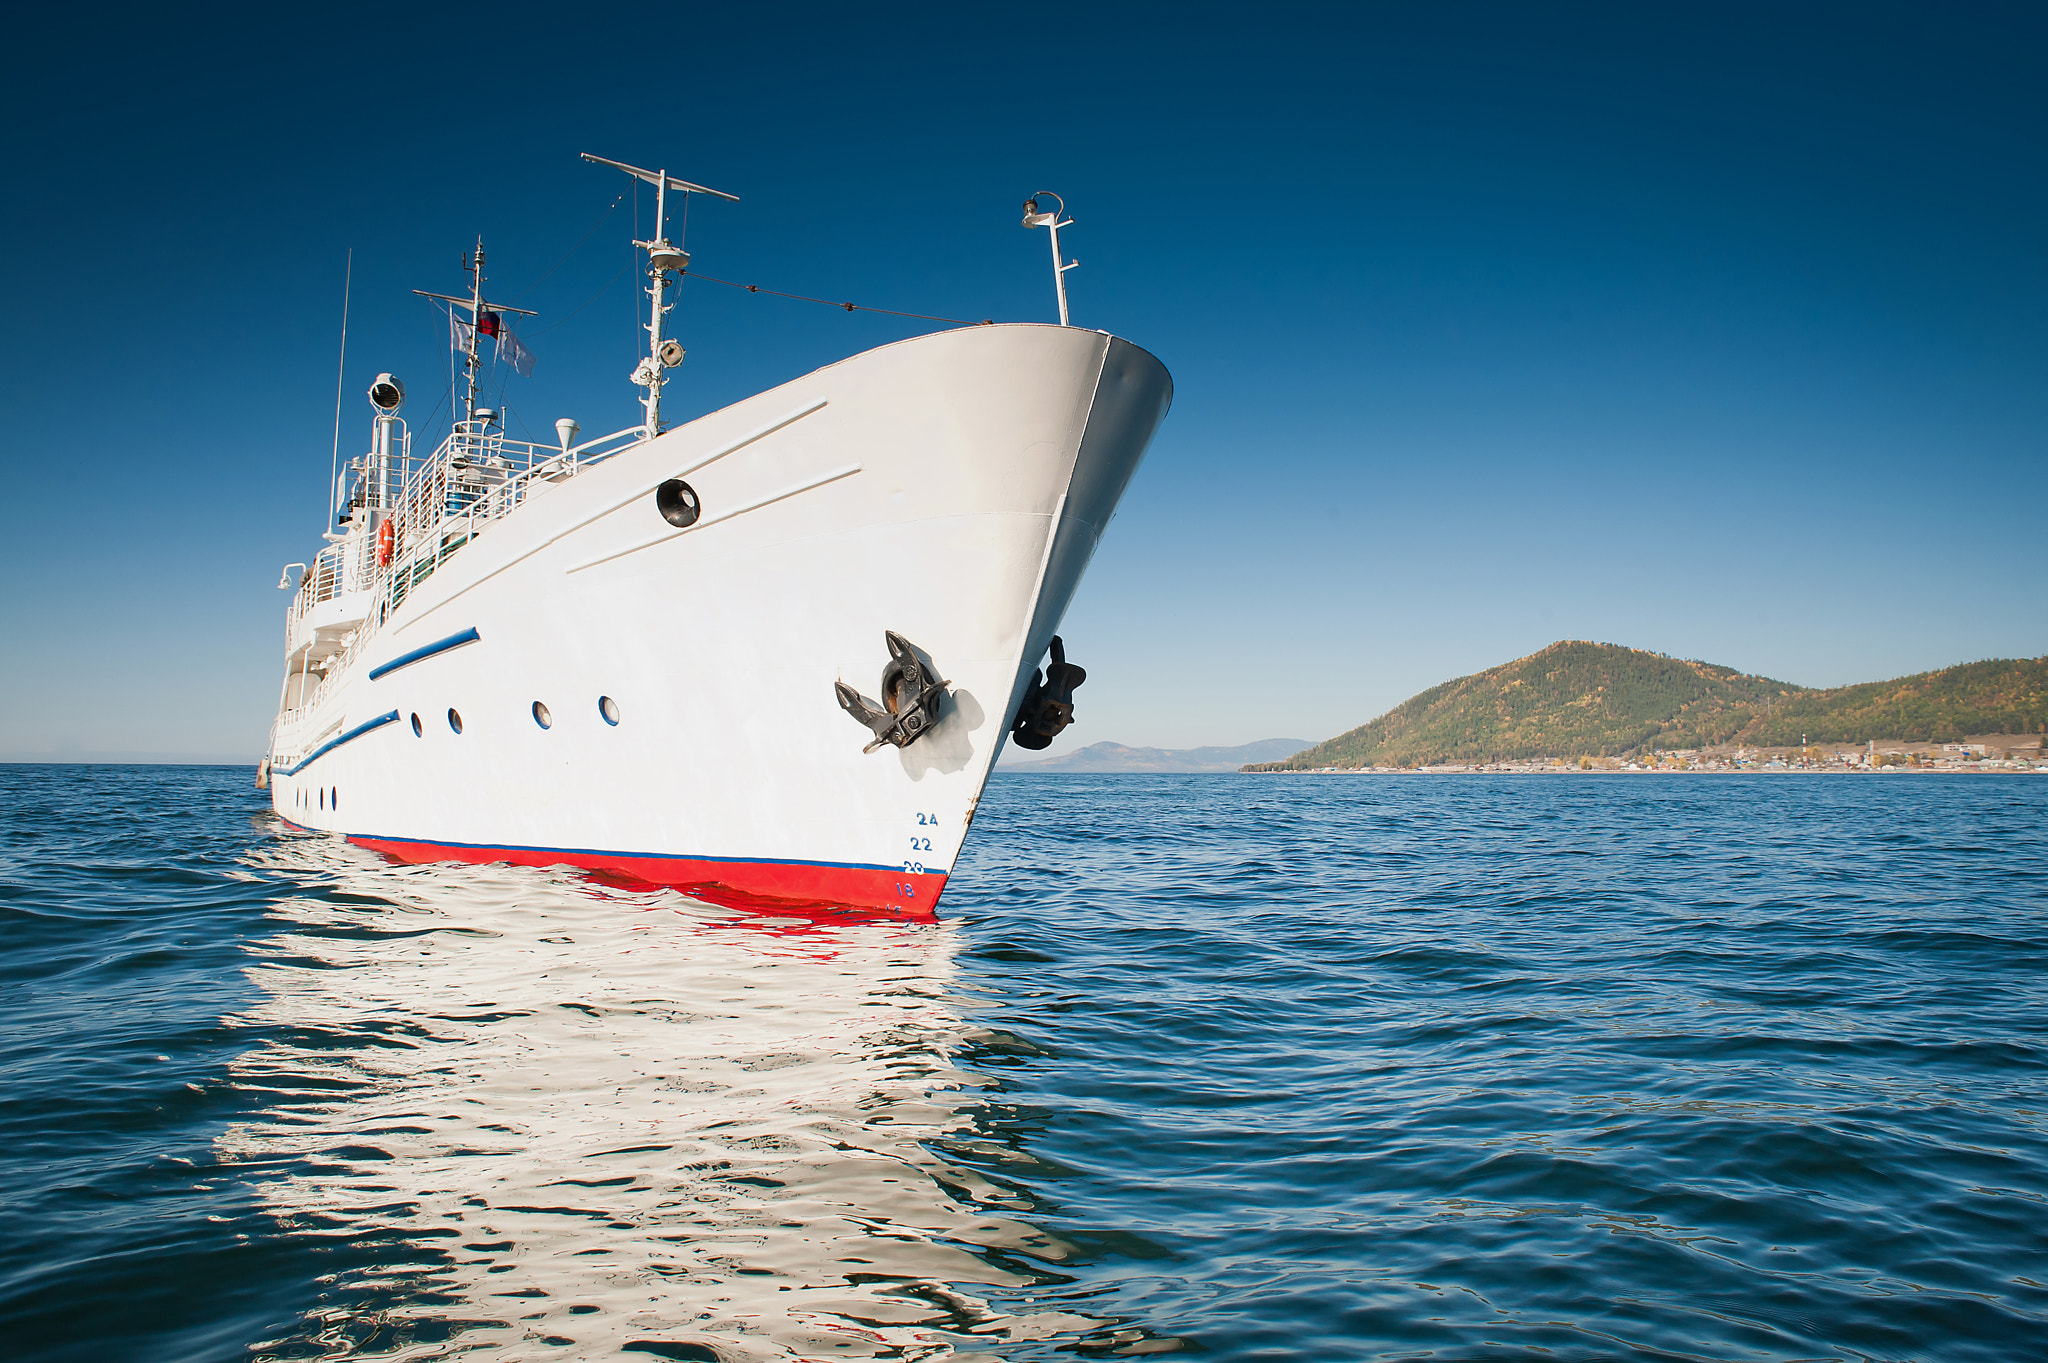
1049,702
911,693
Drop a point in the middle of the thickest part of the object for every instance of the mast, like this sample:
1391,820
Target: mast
474,266
657,285
476,313
661,259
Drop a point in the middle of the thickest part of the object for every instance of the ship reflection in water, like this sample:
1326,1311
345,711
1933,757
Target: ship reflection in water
538,1116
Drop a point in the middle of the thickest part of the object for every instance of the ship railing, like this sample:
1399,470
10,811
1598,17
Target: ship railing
478,476
475,477
337,570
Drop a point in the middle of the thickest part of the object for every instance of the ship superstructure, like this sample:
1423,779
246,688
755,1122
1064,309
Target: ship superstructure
769,655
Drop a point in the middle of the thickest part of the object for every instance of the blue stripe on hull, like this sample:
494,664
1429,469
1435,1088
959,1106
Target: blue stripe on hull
388,717
425,651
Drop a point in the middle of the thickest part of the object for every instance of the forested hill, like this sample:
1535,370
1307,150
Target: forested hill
1575,698
1999,696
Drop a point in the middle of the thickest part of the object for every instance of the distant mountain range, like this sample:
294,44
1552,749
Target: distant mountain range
1117,757
1582,699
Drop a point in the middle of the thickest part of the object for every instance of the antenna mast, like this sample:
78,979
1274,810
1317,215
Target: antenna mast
340,367
661,259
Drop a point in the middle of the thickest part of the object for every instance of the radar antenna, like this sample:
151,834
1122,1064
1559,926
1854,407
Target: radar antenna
661,258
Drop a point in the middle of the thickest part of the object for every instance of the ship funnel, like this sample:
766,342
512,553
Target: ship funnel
566,429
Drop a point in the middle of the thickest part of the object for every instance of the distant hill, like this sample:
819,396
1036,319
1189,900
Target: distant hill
1999,696
1117,757
1576,698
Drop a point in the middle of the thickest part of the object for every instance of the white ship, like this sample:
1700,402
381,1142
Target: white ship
768,656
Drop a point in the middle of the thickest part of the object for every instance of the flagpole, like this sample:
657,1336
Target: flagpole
463,337
476,322
341,365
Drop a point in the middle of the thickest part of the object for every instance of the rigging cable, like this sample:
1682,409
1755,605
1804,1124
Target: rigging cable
572,250
433,423
630,263
450,310
448,393
522,424
849,307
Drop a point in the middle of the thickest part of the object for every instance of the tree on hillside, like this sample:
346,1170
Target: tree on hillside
1575,697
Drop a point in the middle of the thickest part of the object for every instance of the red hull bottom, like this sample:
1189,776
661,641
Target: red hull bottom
763,885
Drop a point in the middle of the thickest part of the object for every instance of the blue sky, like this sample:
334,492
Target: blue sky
1717,330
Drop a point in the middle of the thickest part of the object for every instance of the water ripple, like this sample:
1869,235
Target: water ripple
1460,1068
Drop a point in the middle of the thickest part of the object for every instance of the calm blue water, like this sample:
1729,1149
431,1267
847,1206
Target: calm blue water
1261,1068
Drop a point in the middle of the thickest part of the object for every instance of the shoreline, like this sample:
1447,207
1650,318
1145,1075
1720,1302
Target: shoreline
1975,755
1532,769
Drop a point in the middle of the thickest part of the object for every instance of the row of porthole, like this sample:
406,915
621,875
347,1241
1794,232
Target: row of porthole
329,797
607,710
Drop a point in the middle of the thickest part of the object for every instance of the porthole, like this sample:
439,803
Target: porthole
334,797
542,717
323,797
677,502
608,709
417,731
454,719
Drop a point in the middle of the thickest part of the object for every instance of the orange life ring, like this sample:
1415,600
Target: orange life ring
387,537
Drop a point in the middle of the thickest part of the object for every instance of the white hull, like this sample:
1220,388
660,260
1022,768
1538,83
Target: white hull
950,488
